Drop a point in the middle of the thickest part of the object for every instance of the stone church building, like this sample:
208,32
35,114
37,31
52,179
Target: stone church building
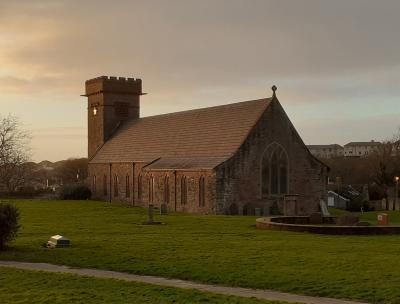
239,158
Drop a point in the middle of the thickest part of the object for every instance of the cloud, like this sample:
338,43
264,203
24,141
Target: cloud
322,54
212,42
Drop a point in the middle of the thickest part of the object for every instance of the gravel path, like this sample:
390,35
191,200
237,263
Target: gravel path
234,291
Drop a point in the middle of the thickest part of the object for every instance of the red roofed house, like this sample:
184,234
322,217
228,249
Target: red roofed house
240,158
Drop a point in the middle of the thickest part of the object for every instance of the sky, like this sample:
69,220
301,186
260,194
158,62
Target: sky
336,63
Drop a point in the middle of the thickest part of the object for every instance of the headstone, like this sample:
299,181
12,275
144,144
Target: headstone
384,206
163,209
290,204
324,208
347,220
316,218
151,213
58,241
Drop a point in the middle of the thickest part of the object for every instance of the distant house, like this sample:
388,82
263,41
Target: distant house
336,200
326,151
360,149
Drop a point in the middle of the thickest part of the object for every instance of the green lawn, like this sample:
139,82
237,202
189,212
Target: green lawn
213,249
21,286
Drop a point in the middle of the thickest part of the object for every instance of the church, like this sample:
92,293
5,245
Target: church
242,158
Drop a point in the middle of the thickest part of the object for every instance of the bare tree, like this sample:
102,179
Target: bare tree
14,152
73,170
382,164
396,143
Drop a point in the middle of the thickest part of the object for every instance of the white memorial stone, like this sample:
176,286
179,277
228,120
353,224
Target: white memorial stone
57,241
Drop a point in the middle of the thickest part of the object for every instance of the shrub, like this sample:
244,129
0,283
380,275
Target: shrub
355,205
9,216
75,192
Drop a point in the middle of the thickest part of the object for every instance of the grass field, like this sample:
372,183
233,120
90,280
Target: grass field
212,249
21,286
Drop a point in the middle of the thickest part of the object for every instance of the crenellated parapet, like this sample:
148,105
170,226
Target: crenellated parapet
111,84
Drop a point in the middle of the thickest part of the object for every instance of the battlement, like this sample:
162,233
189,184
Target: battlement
112,84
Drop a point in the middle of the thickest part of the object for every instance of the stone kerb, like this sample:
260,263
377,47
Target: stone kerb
301,224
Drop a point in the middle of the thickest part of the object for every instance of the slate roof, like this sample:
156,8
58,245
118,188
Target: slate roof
185,163
201,138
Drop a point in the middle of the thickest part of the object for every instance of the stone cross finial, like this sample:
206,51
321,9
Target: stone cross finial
274,88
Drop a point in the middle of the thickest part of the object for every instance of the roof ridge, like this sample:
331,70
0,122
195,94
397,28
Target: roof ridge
207,108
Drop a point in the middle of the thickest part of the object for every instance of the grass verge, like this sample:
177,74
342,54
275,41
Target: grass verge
22,286
222,250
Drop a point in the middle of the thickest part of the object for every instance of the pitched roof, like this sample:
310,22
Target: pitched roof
185,163
201,138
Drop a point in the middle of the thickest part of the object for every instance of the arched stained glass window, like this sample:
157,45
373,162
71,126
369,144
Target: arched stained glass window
274,171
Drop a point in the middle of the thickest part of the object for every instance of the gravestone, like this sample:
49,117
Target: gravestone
163,209
151,214
58,241
390,204
324,208
290,204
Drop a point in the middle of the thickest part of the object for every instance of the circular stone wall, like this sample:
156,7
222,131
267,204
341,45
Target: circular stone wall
301,224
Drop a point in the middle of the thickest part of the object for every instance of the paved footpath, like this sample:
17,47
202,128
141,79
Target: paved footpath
234,291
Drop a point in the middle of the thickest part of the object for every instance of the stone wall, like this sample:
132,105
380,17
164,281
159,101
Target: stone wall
115,100
300,225
239,178
234,187
124,186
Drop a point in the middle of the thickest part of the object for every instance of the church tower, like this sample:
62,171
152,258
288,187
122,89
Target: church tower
111,101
